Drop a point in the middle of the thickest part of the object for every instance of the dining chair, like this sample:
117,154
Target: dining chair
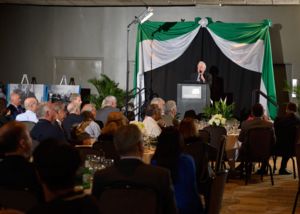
257,147
18,199
216,192
129,198
298,169
199,151
216,137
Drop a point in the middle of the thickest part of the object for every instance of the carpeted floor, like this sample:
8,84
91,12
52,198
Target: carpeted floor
260,196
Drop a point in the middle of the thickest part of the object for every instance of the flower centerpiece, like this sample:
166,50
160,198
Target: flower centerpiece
219,108
140,125
217,120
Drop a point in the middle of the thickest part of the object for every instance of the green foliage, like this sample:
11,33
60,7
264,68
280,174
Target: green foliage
219,107
105,87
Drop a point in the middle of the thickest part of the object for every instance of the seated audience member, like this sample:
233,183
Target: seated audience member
5,116
71,120
161,105
88,125
169,117
15,105
285,129
190,114
109,104
75,99
91,108
129,143
115,120
31,105
169,154
188,130
130,112
153,114
44,128
16,171
57,163
258,121
59,107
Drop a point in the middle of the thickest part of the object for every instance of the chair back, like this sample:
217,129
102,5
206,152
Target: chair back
216,133
216,192
128,198
204,136
220,154
259,143
17,199
286,137
199,151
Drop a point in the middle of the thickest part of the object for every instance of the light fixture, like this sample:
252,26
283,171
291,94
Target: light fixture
145,15
294,86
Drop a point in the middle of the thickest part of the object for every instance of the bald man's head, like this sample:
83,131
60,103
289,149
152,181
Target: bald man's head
31,104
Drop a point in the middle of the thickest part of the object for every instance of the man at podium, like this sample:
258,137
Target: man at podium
201,76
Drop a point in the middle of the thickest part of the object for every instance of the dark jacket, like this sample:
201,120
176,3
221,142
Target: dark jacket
44,129
134,170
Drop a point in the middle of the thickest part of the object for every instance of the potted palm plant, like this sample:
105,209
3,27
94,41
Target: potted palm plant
105,87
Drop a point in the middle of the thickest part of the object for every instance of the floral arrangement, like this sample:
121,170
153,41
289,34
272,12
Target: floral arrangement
217,120
219,107
140,125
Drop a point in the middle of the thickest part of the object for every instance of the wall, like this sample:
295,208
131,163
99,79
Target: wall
31,36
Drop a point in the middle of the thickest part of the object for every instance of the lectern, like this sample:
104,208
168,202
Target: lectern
192,96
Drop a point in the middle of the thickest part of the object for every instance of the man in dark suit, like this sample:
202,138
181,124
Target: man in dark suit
129,143
72,120
201,76
44,129
258,121
15,105
109,104
286,133
16,171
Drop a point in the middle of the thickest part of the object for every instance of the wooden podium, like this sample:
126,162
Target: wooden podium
193,96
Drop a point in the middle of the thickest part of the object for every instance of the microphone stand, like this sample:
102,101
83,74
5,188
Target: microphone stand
127,63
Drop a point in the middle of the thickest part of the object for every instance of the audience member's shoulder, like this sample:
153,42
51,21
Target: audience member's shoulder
156,169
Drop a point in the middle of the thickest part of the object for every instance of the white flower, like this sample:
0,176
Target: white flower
217,120
140,125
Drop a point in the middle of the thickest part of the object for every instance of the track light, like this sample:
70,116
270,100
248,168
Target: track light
145,15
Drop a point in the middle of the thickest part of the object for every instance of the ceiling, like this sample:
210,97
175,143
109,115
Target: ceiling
149,2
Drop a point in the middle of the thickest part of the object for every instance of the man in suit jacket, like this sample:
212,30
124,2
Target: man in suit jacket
16,170
129,143
44,129
286,133
201,76
257,121
15,105
109,104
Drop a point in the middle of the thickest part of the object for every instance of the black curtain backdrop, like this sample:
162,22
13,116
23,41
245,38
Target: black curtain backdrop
229,79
